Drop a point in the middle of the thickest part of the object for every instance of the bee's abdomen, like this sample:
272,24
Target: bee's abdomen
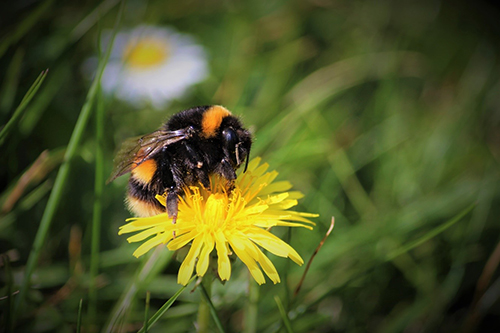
141,200
141,197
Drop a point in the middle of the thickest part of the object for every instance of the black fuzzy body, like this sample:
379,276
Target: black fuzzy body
191,161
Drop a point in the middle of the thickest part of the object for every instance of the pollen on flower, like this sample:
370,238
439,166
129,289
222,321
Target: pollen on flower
236,222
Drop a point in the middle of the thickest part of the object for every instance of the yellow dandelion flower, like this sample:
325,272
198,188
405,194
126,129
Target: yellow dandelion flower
237,222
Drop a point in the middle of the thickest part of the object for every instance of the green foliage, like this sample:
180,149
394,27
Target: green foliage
383,113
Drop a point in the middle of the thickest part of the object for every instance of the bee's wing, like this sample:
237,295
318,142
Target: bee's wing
136,150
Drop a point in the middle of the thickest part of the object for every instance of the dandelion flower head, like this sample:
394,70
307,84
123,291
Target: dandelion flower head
236,222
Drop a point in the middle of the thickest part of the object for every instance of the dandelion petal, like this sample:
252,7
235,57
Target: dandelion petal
247,259
204,258
223,263
187,266
148,245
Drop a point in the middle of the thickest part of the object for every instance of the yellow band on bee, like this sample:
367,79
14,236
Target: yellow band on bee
145,171
212,119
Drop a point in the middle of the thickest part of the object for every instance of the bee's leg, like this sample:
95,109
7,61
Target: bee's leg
194,160
229,186
172,204
227,171
204,179
199,168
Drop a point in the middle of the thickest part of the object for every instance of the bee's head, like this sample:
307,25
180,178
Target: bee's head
237,142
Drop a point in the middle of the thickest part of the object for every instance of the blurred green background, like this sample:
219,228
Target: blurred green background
385,114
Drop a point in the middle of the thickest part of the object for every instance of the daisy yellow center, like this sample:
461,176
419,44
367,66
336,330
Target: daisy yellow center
145,53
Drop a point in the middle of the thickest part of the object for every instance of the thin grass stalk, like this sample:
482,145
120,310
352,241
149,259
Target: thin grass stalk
251,307
57,78
203,320
284,317
91,19
62,175
165,306
11,80
146,312
206,289
98,189
433,233
22,106
8,307
80,313
97,213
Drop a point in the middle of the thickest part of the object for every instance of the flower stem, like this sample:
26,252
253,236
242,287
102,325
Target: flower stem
204,308
251,309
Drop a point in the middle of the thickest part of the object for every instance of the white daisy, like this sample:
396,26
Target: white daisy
153,65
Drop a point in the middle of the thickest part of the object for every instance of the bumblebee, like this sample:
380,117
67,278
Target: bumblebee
192,145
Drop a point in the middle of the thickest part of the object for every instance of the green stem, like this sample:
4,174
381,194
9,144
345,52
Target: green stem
284,316
204,308
8,307
206,298
96,220
146,312
251,307
18,113
163,308
80,313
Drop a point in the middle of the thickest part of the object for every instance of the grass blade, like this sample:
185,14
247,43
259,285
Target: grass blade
9,282
146,312
436,231
22,106
328,232
252,307
58,78
92,18
211,306
79,320
284,317
11,81
97,209
165,307
62,175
